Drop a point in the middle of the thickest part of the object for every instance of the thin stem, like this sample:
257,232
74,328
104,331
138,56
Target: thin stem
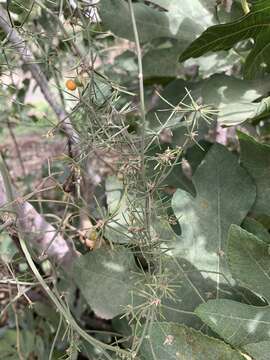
17,148
142,105
141,86
63,310
55,337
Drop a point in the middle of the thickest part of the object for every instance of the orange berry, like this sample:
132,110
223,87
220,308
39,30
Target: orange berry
71,85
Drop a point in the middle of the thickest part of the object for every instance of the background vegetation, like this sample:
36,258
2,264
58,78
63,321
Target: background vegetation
134,187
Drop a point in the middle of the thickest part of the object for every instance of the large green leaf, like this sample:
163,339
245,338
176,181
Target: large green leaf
166,341
258,351
106,278
225,193
223,37
238,324
249,261
255,157
175,25
234,98
183,21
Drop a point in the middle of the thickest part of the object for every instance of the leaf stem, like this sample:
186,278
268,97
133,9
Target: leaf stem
140,76
142,105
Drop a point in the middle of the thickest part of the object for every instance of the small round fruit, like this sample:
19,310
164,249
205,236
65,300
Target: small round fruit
71,85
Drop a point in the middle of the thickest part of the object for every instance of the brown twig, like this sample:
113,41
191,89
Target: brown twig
17,148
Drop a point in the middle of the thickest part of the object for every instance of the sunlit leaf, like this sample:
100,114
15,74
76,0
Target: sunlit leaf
221,200
238,324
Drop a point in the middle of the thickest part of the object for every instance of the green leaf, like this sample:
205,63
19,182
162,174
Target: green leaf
234,98
258,351
254,25
8,344
260,53
256,228
106,279
7,248
249,261
196,154
162,61
187,289
213,63
255,157
183,21
238,324
151,23
98,91
179,123
225,193
166,341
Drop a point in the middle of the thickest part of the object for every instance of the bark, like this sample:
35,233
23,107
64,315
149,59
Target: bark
41,235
